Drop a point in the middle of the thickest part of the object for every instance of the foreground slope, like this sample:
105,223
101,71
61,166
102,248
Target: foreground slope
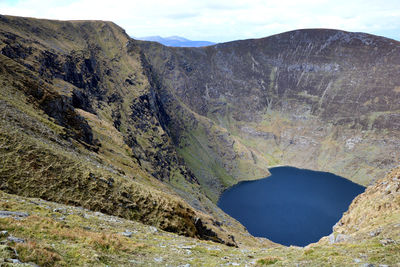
48,234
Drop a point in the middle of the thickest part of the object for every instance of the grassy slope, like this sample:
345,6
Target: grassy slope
59,235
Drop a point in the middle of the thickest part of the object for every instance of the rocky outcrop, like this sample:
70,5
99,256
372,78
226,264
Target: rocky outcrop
52,103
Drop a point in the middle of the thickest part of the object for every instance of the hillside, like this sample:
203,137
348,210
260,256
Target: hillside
106,135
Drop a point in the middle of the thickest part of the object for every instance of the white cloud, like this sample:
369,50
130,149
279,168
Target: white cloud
221,20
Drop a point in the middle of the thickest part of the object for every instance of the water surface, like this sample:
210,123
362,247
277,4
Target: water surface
292,206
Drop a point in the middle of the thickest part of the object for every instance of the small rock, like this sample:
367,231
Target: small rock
153,229
185,247
110,182
367,265
338,238
341,238
383,265
357,260
375,232
60,210
160,259
386,241
14,261
331,238
15,239
363,256
185,265
388,187
127,233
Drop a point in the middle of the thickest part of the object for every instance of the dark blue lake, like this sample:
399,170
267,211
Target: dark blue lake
292,206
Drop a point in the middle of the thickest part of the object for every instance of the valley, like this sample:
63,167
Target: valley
104,134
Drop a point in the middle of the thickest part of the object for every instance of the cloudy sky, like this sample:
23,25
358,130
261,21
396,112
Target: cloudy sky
220,20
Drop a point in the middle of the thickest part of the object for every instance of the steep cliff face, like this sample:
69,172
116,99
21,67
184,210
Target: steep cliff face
320,99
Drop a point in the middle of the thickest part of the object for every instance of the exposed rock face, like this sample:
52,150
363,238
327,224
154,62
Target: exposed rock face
90,73
318,99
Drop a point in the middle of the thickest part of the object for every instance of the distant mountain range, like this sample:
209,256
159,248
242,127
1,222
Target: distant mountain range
175,41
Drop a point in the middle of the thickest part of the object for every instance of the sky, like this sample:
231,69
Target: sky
220,20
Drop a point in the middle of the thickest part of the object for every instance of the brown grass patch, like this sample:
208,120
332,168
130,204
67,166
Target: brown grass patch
39,254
